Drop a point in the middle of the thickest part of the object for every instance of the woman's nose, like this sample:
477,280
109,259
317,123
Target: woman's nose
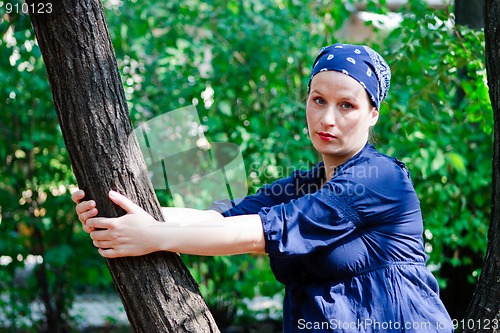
328,118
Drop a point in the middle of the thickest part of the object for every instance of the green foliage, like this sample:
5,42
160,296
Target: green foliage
244,65
438,119
43,256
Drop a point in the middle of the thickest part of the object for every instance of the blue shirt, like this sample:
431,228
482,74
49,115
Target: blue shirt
350,251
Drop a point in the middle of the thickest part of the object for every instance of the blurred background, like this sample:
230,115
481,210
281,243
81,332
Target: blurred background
244,65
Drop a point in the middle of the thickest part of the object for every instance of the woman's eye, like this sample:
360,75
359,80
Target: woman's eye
320,101
347,106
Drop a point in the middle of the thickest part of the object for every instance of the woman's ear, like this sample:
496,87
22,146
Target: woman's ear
374,113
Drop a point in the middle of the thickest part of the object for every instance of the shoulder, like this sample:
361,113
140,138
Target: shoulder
373,175
299,183
280,191
313,172
378,187
372,165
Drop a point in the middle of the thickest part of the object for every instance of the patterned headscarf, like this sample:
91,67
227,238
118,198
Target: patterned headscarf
359,62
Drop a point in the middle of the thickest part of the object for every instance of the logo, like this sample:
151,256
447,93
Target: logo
180,158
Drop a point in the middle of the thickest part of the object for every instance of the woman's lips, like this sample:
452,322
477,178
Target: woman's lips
326,136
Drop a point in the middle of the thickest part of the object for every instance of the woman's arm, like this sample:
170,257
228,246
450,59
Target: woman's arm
187,231
206,232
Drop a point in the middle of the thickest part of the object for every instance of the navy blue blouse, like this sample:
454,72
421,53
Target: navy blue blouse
349,251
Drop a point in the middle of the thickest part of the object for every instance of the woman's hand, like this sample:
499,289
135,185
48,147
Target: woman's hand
133,234
188,231
84,209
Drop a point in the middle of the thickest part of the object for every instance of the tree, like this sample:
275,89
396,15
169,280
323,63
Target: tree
483,314
37,223
469,13
158,293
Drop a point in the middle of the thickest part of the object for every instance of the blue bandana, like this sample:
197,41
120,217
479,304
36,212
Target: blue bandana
359,62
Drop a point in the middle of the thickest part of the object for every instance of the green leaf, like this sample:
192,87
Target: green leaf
456,161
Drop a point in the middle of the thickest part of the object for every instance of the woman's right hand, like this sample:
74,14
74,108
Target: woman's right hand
84,209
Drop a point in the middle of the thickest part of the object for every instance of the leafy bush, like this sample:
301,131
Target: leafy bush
438,119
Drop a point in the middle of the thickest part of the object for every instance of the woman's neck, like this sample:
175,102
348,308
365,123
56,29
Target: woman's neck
331,164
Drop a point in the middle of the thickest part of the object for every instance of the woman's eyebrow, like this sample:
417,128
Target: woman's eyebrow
347,95
350,98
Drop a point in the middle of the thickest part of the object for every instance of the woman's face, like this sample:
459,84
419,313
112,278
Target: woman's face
339,116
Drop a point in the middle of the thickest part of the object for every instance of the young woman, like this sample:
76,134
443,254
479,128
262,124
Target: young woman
345,238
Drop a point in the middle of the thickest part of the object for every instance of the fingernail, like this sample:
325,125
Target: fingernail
112,193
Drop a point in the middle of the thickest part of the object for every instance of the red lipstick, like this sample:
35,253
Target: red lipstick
326,136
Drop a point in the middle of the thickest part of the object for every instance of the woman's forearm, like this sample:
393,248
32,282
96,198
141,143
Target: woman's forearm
189,231
192,231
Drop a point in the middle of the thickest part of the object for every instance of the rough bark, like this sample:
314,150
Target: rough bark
158,293
483,314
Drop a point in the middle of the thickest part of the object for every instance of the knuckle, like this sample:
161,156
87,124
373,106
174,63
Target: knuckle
77,196
111,225
80,208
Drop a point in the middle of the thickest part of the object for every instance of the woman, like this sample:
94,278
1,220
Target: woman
345,238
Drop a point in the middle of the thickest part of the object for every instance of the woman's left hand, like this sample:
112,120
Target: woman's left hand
132,234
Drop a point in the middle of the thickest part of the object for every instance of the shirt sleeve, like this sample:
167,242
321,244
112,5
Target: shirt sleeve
280,191
307,223
376,196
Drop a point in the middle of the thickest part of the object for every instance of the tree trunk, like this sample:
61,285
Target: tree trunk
158,293
470,13
483,314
